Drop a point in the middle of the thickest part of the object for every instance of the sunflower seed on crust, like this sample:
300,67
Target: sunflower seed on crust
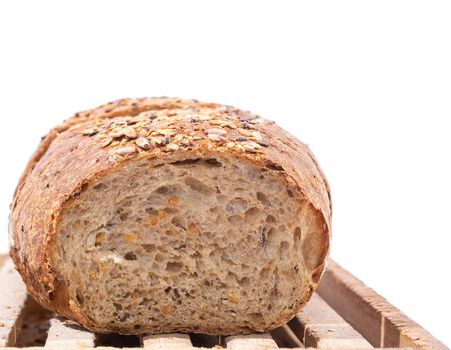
143,143
106,142
90,132
172,147
216,131
124,151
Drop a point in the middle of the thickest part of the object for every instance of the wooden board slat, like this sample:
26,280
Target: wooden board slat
174,341
12,302
370,314
285,337
321,327
64,334
251,342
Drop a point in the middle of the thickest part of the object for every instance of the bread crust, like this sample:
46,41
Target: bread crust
73,155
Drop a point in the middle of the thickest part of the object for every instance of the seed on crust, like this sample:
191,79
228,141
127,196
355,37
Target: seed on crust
106,141
172,147
166,132
262,143
160,141
130,133
90,132
124,151
143,143
215,137
216,131
251,145
257,136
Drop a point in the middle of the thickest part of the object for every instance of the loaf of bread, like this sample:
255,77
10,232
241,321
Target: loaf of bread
161,215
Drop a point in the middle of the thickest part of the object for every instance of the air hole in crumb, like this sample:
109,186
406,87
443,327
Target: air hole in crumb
186,161
264,273
273,166
251,214
198,186
159,257
167,290
213,162
245,282
162,190
270,219
151,211
171,232
290,193
130,256
80,298
262,198
179,222
236,206
235,219
270,234
297,237
256,317
215,210
174,266
100,186
283,250
230,275
149,248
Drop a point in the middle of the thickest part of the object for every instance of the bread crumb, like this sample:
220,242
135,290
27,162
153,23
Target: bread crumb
100,237
192,229
233,298
172,201
130,237
162,214
166,309
153,220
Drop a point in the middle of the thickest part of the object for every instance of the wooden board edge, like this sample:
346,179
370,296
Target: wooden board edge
354,301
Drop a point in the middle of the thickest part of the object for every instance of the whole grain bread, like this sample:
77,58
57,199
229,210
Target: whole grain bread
160,215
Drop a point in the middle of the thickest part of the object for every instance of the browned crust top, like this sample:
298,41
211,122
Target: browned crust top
77,152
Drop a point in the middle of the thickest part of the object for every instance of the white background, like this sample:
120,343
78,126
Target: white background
366,84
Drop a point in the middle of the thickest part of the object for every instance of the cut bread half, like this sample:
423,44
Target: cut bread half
224,233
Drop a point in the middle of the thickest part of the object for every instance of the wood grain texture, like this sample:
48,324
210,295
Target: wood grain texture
12,302
167,341
64,334
370,314
285,337
251,342
321,327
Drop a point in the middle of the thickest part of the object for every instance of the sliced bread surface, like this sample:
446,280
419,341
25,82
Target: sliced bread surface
166,215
